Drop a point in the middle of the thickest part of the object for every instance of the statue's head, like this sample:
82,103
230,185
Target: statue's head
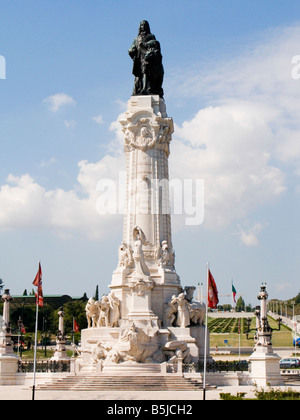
144,27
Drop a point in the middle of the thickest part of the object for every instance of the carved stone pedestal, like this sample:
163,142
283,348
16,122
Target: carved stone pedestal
265,368
60,353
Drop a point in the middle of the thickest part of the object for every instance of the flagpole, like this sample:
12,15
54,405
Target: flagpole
205,338
73,332
232,299
35,348
239,338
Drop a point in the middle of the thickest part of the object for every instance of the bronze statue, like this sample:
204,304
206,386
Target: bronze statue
147,63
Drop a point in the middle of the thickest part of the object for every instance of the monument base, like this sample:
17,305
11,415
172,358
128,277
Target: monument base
60,353
265,368
132,346
8,365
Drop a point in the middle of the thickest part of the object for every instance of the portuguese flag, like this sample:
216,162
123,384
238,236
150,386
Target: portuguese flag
234,293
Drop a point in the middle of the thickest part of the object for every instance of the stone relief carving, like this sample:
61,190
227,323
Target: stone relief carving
125,256
133,346
145,133
167,256
140,287
140,136
175,350
145,140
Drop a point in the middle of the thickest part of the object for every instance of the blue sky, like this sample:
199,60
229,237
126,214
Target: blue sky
230,90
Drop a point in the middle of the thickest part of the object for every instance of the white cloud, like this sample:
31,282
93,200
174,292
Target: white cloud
46,163
24,204
246,144
229,147
57,101
98,119
250,237
261,76
70,123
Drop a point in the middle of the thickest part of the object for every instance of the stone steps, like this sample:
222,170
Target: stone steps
121,383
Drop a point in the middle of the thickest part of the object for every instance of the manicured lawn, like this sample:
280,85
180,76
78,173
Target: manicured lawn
40,354
222,329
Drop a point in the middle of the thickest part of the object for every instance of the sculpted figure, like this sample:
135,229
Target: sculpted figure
92,313
104,312
167,256
141,268
147,62
197,309
125,256
175,350
145,140
133,346
189,291
183,317
100,352
197,312
171,311
136,346
114,305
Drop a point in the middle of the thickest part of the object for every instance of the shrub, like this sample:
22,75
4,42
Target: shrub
227,396
277,394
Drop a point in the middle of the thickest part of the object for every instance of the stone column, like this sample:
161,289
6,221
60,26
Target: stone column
60,350
6,345
147,136
8,359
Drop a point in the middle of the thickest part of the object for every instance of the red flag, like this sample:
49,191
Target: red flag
75,326
38,278
212,297
38,282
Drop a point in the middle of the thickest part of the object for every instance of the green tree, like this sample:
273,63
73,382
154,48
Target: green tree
240,305
74,309
96,296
